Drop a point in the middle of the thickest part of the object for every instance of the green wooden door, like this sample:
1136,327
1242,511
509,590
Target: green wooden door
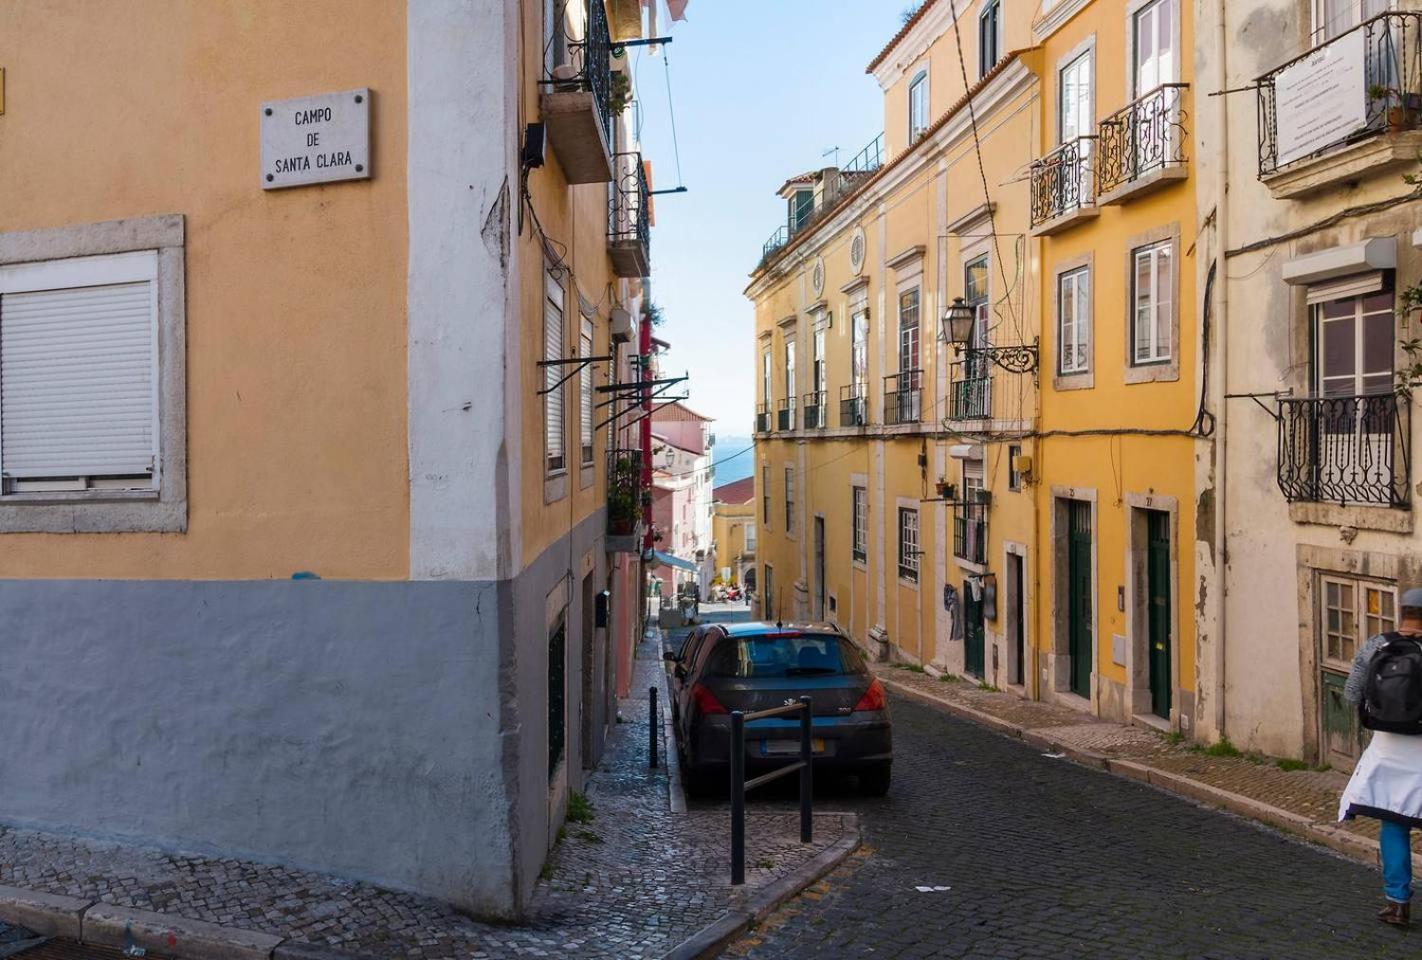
1343,737
973,629
1079,596
1158,609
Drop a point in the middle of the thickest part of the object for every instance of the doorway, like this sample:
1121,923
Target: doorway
974,631
1017,620
819,598
1079,597
1158,612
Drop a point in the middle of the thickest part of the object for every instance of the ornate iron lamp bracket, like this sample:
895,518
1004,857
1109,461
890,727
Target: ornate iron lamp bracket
1016,359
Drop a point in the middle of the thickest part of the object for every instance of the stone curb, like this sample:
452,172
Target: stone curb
47,914
1327,835
710,940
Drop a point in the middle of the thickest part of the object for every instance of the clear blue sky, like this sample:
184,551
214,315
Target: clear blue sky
760,88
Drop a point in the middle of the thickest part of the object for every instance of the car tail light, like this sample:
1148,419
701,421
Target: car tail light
705,700
873,698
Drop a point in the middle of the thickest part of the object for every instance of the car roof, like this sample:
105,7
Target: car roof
757,628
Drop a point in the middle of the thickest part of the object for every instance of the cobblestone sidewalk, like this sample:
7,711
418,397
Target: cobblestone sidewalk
1303,800
635,881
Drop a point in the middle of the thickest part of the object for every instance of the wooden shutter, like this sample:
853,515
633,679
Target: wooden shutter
77,369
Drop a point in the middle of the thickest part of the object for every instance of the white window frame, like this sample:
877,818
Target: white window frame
1358,11
1074,339
985,63
587,424
789,501
918,91
908,544
1157,353
555,462
748,534
65,256
1137,12
859,519
1359,374
765,494
1364,625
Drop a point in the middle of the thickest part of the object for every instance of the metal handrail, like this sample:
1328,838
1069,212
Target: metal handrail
1063,181
785,415
970,531
868,160
628,207
590,57
970,393
813,405
1146,134
777,240
740,785
853,405
762,418
903,400
1348,449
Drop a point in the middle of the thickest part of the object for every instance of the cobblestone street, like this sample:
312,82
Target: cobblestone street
986,849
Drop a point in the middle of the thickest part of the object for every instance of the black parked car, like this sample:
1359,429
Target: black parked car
756,666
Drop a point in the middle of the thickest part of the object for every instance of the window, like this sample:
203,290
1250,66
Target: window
817,367
1074,321
781,655
918,106
859,353
1156,51
790,500
790,377
765,389
553,426
908,544
861,523
750,536
765,495
79,374
802,205
1352,612
1075,107
1152,307
767,604
1332,18
989,37
908,333
586,427
1353,345
975,294
1014,479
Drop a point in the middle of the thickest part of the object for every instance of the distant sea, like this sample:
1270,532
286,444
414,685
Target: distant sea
733,459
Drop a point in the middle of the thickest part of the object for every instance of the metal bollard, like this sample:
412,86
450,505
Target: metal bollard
738,798
652,719
807,781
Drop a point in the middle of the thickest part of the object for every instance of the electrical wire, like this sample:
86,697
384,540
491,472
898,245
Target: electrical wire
671,110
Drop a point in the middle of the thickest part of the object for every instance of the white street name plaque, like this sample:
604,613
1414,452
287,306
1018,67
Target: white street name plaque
316,139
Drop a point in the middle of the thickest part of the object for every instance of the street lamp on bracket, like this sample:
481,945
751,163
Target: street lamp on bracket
957,329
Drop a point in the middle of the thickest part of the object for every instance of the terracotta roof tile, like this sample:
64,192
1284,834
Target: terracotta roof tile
737,491
903,32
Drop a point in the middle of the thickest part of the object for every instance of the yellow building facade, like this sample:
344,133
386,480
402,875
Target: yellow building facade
1007,499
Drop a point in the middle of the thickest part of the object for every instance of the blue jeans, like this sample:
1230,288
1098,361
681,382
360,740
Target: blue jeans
1395,845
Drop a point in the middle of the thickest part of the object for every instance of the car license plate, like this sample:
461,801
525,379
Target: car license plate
789,748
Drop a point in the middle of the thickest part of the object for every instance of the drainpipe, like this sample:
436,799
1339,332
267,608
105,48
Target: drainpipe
1220,329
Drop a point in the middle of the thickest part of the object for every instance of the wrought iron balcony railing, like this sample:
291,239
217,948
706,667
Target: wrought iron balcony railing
582,63
868,160
777,240
814,410
1062,181
786,414
1146,135
1345,450
762,418
970,532
852,403
970,396
624,492
1391,88
629,234
903,397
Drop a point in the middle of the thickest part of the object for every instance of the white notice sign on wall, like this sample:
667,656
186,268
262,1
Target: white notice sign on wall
316,139
1321,99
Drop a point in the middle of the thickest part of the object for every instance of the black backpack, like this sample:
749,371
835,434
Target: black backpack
1392,693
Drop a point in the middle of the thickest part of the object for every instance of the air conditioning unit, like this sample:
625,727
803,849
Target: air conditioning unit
623,326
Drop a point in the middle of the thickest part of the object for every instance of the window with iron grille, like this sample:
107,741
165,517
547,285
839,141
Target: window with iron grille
861,523
554,432
908,544
585,392
790,500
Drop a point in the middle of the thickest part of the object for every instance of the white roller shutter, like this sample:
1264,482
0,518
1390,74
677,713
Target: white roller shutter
77,371
554,431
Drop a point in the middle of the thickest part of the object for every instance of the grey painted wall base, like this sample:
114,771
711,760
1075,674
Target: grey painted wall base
340,726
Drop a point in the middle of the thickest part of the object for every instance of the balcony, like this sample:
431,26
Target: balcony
970,532
971,391
628,229
762,418
903,397
577,92
785,416
1345,450
814,411
852,402
1063,188
1301,152
1141,147
624,496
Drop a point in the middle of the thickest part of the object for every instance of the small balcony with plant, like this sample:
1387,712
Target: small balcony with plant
853,405
624,499
1063,187
1141,147
580,92
1368,121
1345,450
813,410
629,235
903,398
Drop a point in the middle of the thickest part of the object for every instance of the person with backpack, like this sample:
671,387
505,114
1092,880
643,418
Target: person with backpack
1386,686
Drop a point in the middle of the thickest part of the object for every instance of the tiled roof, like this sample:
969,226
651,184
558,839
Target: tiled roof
676,411
909,24
737,491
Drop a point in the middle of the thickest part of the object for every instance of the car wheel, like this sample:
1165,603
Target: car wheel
874,780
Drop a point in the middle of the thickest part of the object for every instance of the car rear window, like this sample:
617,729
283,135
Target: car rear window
784,655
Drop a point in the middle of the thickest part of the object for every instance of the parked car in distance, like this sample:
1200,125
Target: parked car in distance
757,666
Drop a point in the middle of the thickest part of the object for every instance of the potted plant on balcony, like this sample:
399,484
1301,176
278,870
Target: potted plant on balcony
947,489
983,497
623,502
619,97
1402,109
